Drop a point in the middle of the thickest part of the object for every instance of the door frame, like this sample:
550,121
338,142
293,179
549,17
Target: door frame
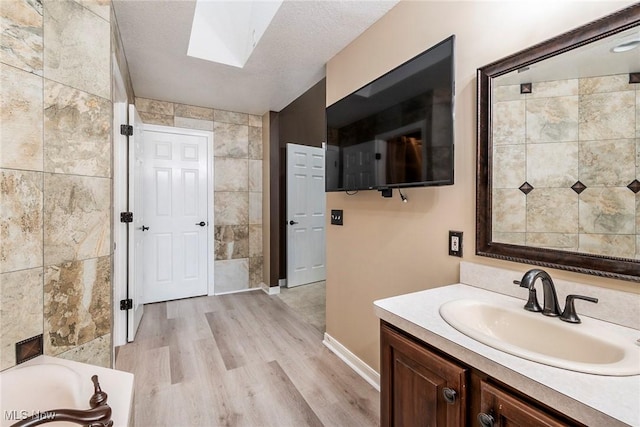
210,193
120,200
135,238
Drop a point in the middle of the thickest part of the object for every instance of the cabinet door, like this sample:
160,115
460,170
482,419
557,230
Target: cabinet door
509,411
414,382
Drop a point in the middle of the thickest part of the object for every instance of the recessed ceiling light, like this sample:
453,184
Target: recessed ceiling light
626,46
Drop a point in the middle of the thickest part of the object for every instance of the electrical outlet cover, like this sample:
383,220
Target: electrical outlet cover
455,243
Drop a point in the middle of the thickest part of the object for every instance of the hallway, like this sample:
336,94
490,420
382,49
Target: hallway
240,360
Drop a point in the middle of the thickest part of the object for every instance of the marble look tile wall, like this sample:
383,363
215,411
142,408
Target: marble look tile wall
21,37
77,303
77,47
77,130
237,198
95,352
21,314
76,218
55,177
232,241
21,119
21,210
576,142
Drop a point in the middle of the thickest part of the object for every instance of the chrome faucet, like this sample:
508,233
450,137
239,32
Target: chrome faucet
551,307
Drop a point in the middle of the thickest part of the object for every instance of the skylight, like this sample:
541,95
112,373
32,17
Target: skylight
227,32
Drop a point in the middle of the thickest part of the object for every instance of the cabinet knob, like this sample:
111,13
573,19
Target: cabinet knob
449,395
485,420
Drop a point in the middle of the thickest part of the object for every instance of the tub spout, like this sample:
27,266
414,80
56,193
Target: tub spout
98,416
95,417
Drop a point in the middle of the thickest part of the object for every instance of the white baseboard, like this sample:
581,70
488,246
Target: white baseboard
238,291
354,362
270,290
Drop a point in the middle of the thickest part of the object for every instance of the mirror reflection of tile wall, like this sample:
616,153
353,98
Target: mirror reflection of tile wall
566,162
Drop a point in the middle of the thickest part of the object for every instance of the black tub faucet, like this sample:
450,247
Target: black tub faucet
551,307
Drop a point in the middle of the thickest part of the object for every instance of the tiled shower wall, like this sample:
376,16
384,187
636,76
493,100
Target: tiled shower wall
55,178
576,143
237,151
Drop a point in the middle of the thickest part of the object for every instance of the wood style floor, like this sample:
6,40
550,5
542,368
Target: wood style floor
240,360
308,301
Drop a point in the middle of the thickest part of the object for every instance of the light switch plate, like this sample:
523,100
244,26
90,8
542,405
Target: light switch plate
336,216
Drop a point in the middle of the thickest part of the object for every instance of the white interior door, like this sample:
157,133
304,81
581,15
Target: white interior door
305,215
136,232
176,200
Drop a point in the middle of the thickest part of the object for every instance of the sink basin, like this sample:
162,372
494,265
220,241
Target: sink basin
587,347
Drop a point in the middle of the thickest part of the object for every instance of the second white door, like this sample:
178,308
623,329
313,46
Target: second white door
176,213
305,215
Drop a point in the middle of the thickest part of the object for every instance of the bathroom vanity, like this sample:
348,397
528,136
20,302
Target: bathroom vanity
415,375
433,374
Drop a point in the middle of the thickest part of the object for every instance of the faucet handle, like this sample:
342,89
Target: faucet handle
99,397
532,302
569,314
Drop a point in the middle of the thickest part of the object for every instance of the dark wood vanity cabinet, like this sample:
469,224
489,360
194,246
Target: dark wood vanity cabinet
419,386
506,410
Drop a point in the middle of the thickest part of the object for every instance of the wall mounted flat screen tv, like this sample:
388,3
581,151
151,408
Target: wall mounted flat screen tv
397,131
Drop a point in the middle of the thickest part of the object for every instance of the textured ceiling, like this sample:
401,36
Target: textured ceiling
288,60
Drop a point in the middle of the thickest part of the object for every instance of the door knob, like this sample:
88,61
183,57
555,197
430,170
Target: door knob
201,223
292,222
143,228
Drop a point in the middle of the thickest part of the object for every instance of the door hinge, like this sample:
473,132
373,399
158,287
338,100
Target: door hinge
126,304
126,130
126,216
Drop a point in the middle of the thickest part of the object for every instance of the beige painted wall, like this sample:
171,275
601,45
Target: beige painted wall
387,247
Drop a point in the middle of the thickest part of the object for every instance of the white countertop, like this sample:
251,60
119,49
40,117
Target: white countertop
590,399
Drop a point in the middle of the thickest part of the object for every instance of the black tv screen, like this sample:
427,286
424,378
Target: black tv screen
397,131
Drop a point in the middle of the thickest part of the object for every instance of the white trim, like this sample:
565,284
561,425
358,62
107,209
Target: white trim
178,130
210,174
354,362
119,173
239,291
270,290
210,237
282,283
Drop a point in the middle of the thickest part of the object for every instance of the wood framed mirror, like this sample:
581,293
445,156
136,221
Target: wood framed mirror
558,151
